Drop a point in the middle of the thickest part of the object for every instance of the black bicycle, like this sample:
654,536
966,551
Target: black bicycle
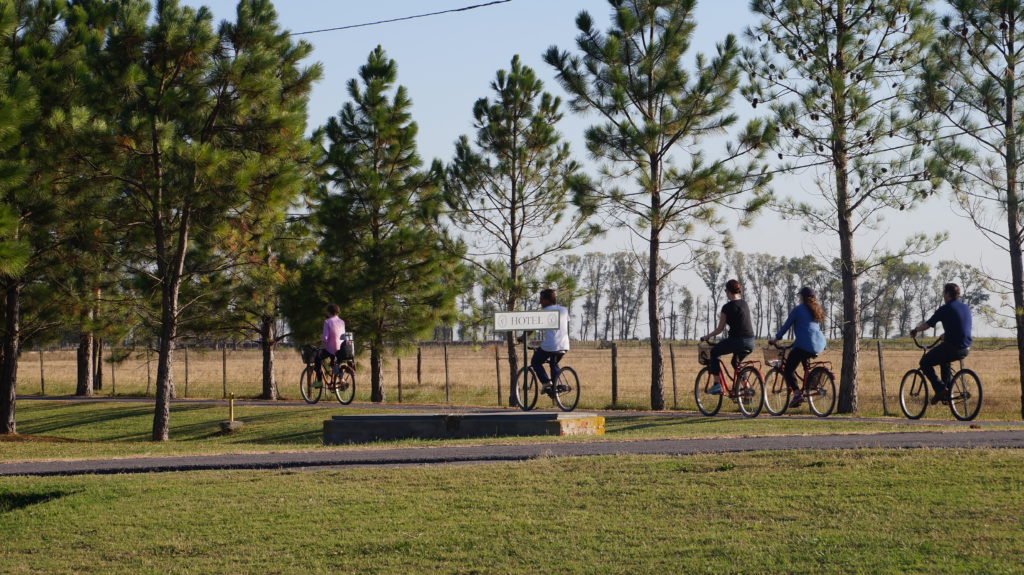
564,390
965,392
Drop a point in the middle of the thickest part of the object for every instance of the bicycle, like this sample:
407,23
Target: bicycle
818,383
564,390
325,371
746,389
965,393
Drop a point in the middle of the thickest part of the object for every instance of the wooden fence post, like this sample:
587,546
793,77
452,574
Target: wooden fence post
672,361
615,373
42,378
149,375
399,380
224,369
447,390
113,374
186,371
419,366
497,371
881,377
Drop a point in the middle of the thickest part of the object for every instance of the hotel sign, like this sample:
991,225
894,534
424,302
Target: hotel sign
525,320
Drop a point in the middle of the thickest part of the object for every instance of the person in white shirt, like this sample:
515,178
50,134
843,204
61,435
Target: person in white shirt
555,342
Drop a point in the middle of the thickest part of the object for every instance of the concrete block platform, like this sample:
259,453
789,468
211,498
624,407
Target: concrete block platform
362,428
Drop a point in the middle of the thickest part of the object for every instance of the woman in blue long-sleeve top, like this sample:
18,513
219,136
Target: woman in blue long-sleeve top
806,320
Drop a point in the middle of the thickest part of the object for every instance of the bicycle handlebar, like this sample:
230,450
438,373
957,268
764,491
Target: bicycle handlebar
925,347
777,346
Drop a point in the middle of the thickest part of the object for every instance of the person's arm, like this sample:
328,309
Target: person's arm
790,319
326,333
718,330
926,324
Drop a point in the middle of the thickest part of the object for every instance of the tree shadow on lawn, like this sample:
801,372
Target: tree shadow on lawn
73,416
10,501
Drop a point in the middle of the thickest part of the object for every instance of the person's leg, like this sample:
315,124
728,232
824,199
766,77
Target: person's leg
940,355
540,357
553,362
724,347
794,360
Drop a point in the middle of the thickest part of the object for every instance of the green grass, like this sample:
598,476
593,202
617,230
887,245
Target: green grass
913,511
62,429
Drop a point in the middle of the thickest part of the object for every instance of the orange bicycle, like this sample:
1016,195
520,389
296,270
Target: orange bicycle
325,371
819,383
744,385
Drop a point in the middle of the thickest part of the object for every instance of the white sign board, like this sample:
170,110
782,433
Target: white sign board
525,320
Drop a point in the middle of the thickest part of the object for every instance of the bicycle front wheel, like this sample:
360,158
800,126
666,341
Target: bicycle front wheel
309,387
344,385
965,395
914,394
750,391
821,391
776,392
567,389
526,389
707,403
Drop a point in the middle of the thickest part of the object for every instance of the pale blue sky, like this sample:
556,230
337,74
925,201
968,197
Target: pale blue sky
448,61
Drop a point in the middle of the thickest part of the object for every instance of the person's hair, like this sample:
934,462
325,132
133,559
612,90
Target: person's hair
952,289
817,313
333,309
733,286
549,294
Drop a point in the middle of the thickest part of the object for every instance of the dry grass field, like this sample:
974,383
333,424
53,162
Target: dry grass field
472,375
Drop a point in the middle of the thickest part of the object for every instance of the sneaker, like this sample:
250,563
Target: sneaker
548,389
797,400
317,383
716,389
939,398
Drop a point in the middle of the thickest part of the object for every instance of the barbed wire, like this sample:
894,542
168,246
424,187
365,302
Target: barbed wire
365,24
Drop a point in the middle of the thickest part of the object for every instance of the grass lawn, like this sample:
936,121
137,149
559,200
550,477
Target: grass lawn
913,511
61,429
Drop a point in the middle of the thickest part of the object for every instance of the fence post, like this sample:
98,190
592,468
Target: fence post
149,376
224,369
42,378
672,361
615,373
881,377
113,373
419,366
399,380
497,371
447,390
186,371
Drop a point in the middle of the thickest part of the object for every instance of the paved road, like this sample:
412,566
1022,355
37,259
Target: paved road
326,459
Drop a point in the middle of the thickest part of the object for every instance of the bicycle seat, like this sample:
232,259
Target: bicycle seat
739,356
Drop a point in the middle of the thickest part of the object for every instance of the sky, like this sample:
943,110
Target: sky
448,61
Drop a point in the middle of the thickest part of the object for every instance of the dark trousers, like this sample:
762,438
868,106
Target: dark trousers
942,355
540,357
740,347
795,357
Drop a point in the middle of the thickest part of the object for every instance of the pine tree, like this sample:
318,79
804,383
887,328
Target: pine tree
653,109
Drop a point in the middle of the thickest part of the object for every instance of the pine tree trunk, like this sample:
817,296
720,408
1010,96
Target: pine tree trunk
165,355
653,288
513,365
376,373
85,366
1013,218
267,344
10,352
851,314
97,363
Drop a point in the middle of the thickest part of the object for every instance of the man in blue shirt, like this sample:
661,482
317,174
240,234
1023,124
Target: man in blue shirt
955,317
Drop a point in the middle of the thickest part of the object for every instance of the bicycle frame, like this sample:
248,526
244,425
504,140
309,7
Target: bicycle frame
807,365
729,379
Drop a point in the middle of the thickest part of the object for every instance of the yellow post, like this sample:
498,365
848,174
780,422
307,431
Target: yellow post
231,408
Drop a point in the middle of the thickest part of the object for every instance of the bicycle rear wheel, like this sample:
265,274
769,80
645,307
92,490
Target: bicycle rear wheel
344,385
567,389
707,403
750,391
965,395
776,392
821,391
914,394
526,389
308,385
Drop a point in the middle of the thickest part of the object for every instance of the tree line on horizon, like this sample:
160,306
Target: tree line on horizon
157,182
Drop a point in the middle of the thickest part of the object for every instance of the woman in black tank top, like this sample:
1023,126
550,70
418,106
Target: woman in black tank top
736,316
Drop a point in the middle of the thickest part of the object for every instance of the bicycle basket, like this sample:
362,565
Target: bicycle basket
703,353
774,356
308,353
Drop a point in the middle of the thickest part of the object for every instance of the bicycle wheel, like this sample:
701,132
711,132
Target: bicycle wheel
821,391
707,403
567,389
914,394
308,387
965,395
750,391
344,385
526,389
776,392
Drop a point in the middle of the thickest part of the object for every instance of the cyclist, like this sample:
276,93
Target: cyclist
806,320
955,317
740,342
555,343
334,329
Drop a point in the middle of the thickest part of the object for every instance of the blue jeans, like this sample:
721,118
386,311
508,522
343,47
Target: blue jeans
740,347
942,355
540,357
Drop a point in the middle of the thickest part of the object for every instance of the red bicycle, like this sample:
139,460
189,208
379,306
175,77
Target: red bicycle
819,383
744,385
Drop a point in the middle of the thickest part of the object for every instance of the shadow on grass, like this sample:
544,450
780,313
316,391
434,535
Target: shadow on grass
642,423
73,417
14,501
